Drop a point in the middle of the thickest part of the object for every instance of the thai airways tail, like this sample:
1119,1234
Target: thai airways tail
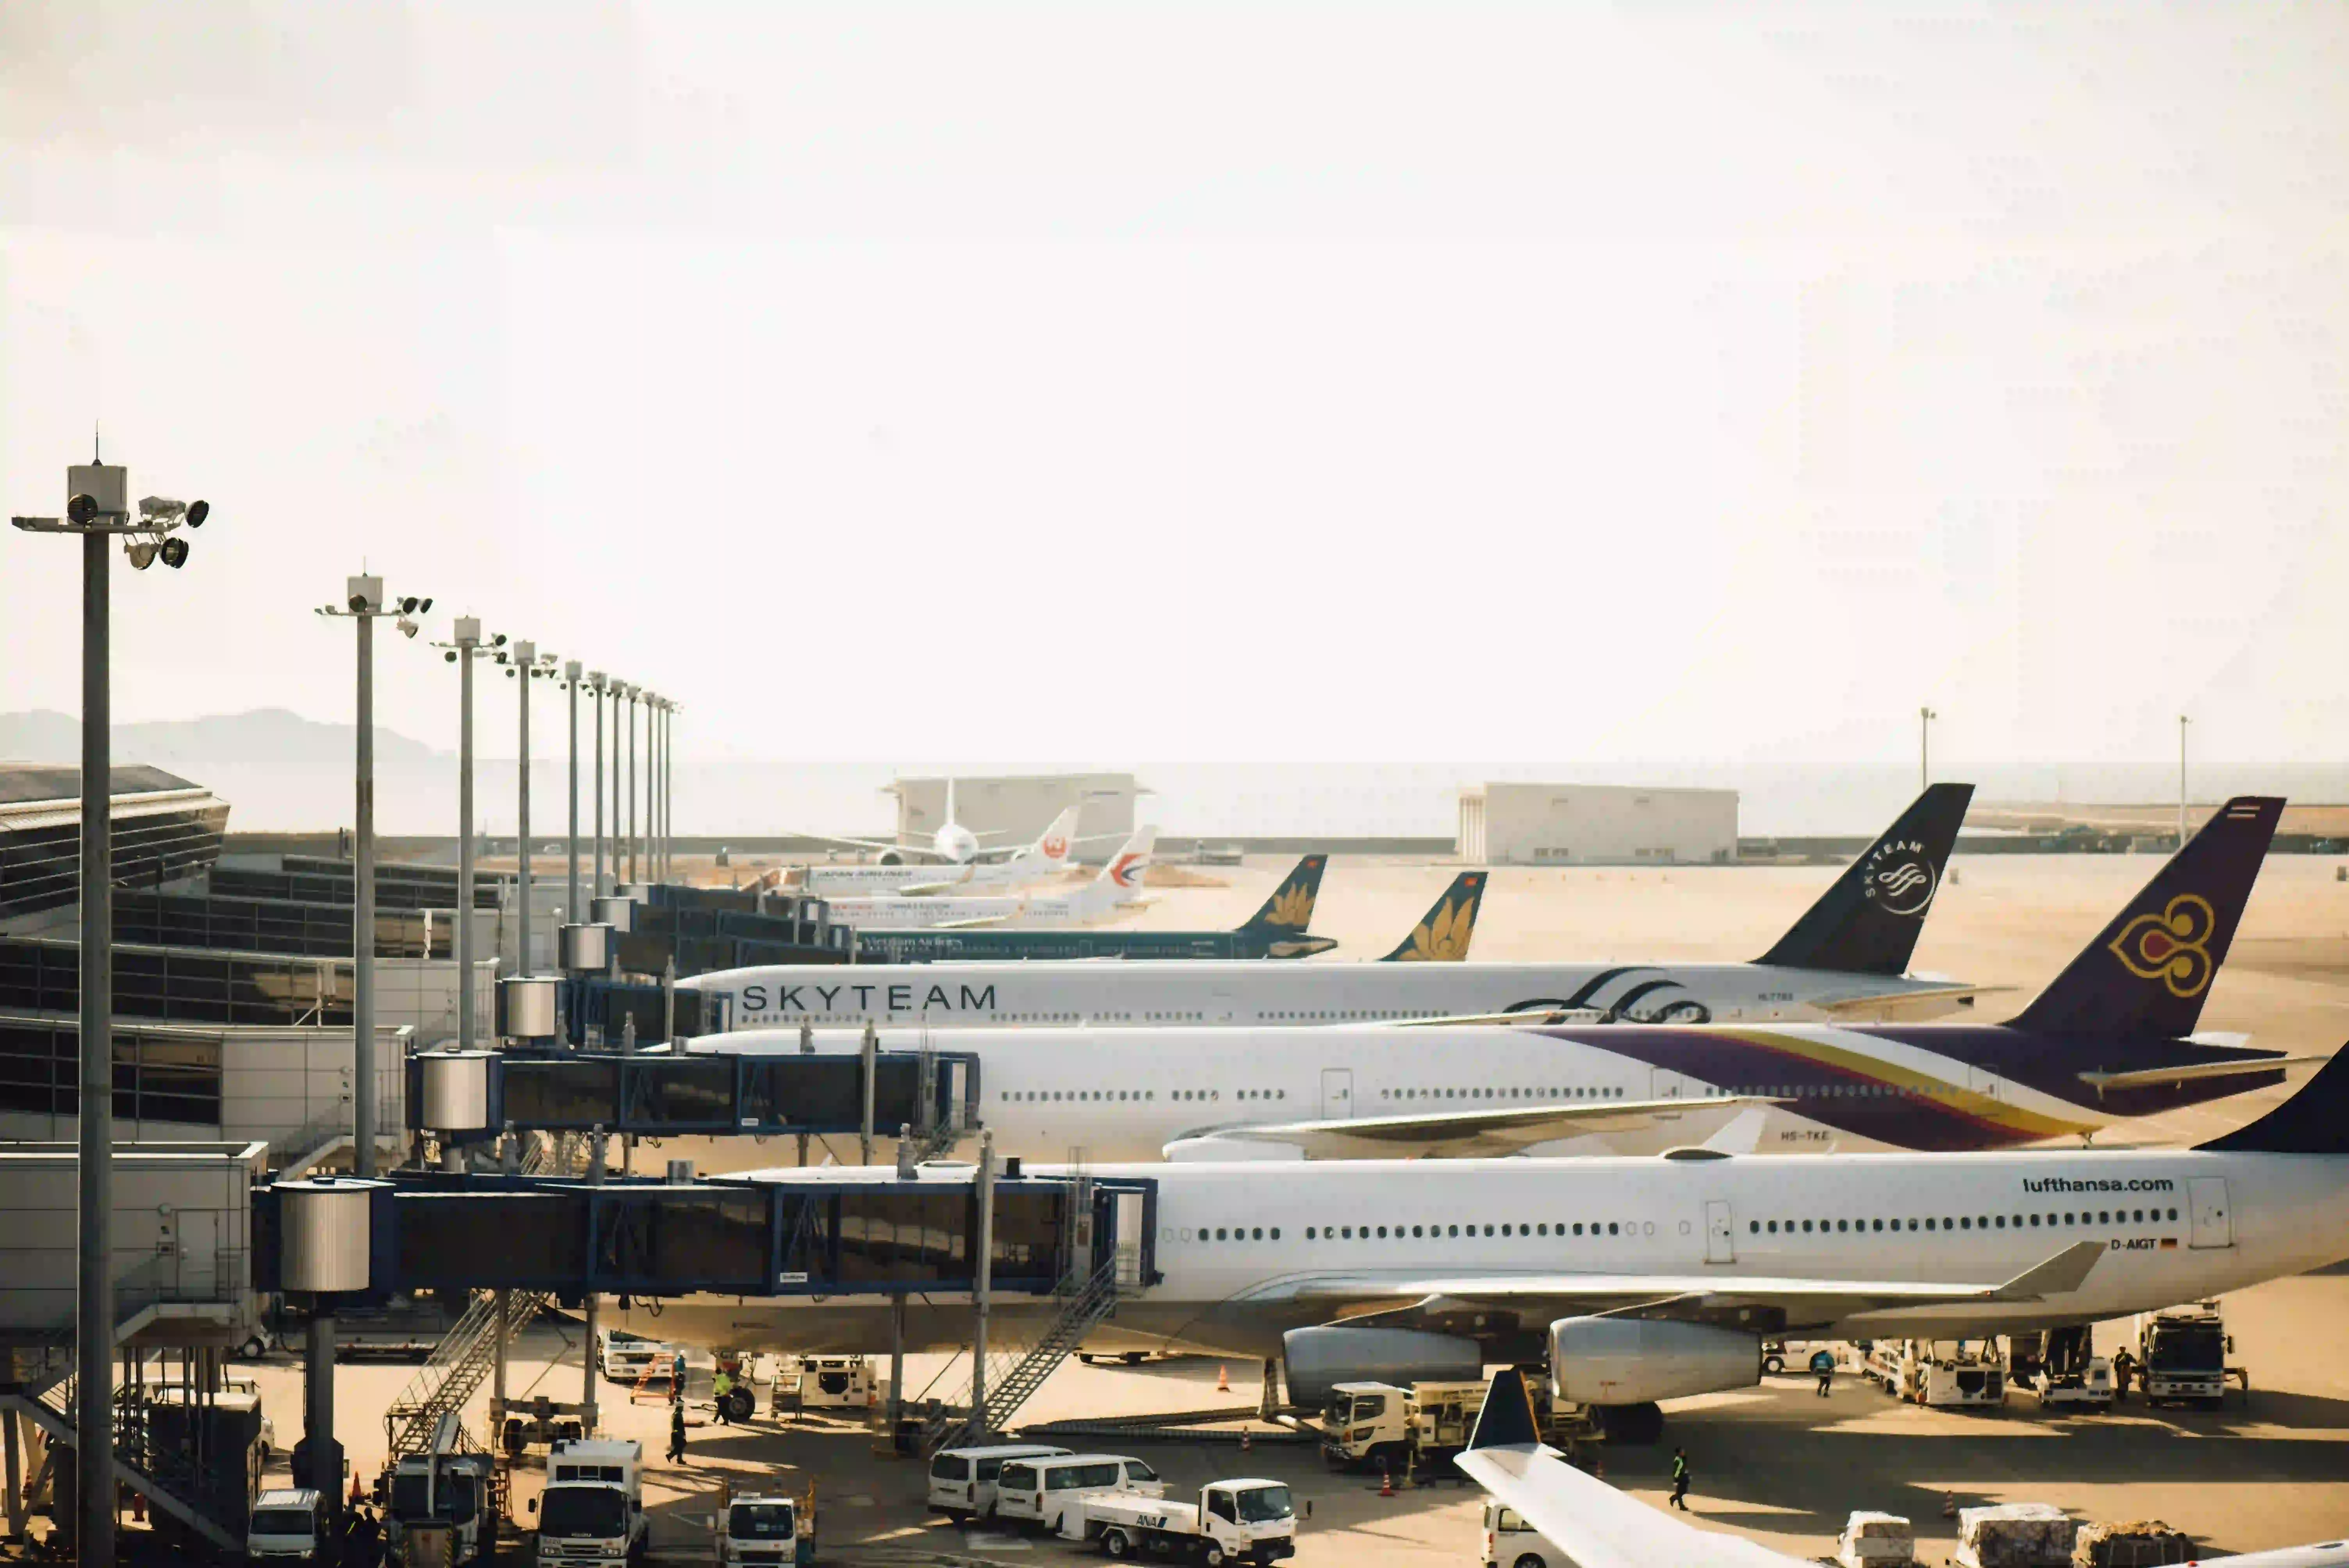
1442,935
1868,922
2149,970
1290,909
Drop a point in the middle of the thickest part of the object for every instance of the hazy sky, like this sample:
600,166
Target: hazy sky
1252,381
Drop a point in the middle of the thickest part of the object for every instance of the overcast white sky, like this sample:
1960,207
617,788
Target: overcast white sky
1229,381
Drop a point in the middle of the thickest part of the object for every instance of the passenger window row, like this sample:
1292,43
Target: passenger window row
1583,1093
1964,1222
1368,1233
1132,1094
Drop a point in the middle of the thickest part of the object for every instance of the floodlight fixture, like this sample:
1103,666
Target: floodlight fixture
141,551
82,510
197,512
174,552
406,627
407,605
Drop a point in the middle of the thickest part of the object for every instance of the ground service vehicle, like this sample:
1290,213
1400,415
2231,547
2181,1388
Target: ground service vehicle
288,1526
593,1510
1043,1491
1941,1374
2090,1388
1511,1542
2182,1354
443,1489
759,1530
1249,1519
625,1357
1371,1423
962,1481
829,1382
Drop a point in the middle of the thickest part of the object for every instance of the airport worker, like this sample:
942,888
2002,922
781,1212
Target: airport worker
2124,1368
676,1378
1680,1479
719,1387
676,1432
1823,1367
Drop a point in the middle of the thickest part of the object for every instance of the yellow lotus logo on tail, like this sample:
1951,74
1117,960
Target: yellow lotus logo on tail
1292,907
1444,939
2170,946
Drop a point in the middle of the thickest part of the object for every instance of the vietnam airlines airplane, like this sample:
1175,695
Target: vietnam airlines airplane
1638,1280
1116,892
2111,1038
1594,1526
1048,857
1843,958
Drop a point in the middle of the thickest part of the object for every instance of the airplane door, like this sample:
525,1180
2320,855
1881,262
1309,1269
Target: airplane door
1337,1093
1665,1084
1983,1082
2213,1226
1720,1233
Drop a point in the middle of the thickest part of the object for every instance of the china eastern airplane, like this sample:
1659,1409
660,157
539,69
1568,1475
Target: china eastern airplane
1592,1525
1116,893
1636,1280
1052,853
2111,1038
1844,958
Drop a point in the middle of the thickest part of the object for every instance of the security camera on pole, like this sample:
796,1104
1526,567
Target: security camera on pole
364,605
97,508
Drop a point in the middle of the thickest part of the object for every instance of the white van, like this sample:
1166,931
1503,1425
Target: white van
1511,1542
962,1481
288,1526
1040,1491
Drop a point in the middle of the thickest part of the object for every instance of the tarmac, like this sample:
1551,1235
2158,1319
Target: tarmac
1774,1463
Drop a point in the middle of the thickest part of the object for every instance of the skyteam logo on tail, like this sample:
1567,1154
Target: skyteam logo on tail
1901,878
2170,946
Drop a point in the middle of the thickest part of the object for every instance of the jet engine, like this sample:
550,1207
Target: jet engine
1636,1361
889,858
1315,1358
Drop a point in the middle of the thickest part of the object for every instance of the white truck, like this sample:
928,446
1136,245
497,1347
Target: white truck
1248,1519
626,1357
593,1510
2182,1355
1374,1423
443,1490
1940,1374
759,1530
288,1526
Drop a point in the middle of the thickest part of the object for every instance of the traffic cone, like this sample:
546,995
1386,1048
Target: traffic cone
1245,1444
1222,1379
1949,1505
1386,1481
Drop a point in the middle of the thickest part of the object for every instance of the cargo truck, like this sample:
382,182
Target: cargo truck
593,1510
1248,1520
1376,1423
2182,1355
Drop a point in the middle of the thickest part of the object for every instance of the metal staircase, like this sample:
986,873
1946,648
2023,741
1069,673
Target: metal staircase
1014,1374
456,1369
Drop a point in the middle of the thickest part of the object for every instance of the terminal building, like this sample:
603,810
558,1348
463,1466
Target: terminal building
165,830
1013,809
1596,825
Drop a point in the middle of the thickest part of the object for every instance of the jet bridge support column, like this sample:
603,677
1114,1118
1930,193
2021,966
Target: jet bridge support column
869,1055
896,1382
318,1411
15,1476
985,1286
504,1302
591,1360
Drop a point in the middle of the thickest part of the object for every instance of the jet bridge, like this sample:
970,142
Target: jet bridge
472,1097
828,1231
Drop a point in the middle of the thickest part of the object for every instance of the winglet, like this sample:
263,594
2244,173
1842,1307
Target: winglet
2059,1276
1508,1419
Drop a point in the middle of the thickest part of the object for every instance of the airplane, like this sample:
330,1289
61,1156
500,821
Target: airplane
1638,1280
1047,857
2112,1037
1595,1526
1276,931
1843,959
1116,891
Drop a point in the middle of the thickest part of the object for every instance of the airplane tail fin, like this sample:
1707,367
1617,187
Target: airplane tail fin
1443,934
1868,923
1058,841
1291,907
1123,873
2152,966
2313,1121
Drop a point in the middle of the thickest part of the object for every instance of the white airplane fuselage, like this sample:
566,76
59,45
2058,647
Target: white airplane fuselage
1223,993
1246,1253
1023,911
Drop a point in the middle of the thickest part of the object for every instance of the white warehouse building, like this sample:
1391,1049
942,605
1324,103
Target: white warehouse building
1596,825
1013,808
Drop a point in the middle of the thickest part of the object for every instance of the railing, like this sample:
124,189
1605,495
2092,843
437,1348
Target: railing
456,1369
1014,1374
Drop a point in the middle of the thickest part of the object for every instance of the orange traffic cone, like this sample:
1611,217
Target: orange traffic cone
1386,1481
1949,1505
1245,1444
1222,1379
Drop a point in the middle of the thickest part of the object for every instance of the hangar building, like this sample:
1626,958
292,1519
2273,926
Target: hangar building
1596,825
1013,808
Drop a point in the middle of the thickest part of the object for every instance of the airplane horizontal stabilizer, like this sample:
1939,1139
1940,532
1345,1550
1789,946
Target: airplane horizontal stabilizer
2153,1078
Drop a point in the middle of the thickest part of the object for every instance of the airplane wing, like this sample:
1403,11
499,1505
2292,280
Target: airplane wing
1862,1004
2152,1077
976,923
924,889
1454,1134
890,845
1439,1303
1591,1522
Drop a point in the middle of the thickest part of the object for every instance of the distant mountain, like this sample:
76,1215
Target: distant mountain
266,733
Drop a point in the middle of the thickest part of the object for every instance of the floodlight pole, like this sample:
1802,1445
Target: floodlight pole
1925,718
467,642
573,910
595,684
97,508
2181,780
668,788
632,783
363,1111
525,660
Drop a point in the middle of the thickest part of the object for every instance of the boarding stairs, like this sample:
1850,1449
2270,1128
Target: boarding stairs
1015,1373
457,1368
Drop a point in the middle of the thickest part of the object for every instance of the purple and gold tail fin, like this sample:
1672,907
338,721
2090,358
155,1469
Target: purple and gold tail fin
2313,1121
2149,970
